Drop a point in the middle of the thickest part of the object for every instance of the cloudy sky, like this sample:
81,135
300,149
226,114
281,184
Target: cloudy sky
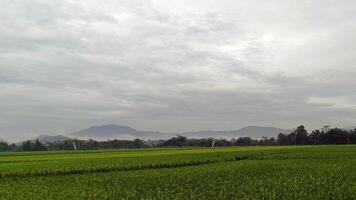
175,65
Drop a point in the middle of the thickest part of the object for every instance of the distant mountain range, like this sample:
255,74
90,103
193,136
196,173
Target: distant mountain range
112,131
249,131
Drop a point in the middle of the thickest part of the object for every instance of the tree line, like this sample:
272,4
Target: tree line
299,136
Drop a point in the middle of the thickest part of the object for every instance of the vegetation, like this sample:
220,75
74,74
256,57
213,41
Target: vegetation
299,136
280,172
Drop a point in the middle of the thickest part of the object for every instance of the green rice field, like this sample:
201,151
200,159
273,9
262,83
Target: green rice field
280,172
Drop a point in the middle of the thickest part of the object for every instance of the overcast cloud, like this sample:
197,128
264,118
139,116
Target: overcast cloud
175,65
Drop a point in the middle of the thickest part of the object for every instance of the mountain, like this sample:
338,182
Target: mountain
50,138
249,131
112,131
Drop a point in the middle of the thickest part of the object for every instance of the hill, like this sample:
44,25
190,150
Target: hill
113,131
249,131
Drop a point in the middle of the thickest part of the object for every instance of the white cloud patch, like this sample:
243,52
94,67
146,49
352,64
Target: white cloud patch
333,102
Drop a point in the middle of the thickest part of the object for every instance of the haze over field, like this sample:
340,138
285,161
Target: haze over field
112,131
175,66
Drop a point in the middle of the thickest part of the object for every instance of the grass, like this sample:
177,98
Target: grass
291,172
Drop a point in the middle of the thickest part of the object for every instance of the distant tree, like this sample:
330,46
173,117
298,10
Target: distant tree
222,143
282,139
317,137
265,141
14,147
325,128
244,141
352,136
138,143
38,146
178,141
4,146
337,136
26,145
301,135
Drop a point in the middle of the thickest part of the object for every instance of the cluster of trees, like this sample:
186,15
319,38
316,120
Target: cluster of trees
33,146
181,141
94,145
29,145
324,136
4,146
36,145
299,136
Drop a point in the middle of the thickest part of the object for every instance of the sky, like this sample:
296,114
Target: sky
175,65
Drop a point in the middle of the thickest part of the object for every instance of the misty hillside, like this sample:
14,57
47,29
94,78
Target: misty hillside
113,131
249,131
49,138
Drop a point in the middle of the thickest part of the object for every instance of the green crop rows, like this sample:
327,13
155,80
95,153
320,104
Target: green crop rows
290,172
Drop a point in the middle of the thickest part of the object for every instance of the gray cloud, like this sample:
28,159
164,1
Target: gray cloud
175,66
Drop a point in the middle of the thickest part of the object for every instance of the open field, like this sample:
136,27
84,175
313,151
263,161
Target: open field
290,172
